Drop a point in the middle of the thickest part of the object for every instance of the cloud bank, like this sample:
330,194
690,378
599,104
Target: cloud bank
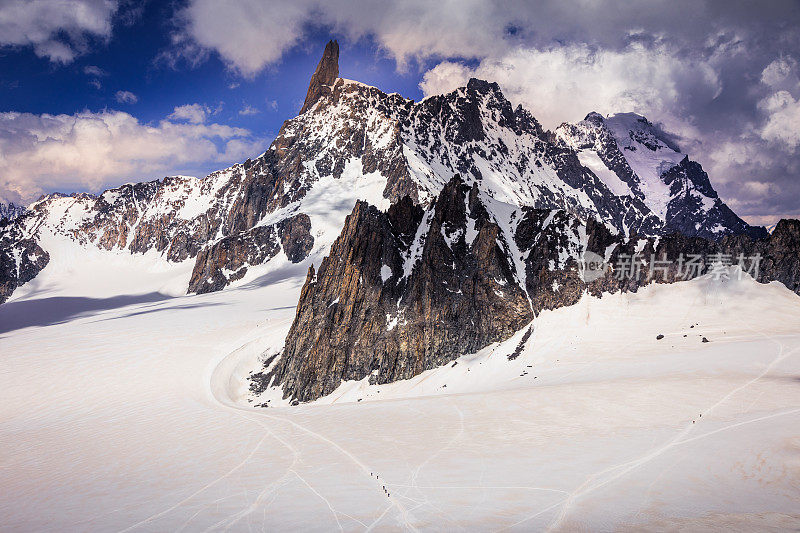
86,150
58,31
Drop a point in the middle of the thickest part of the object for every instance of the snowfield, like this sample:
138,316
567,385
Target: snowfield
130,412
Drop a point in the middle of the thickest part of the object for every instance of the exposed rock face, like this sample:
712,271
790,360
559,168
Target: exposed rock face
557,241
324,76
402,292
10,211
780,252
684,181
228,259
21,259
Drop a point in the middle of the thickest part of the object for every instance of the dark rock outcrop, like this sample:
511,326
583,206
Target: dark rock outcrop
295,236
780,253
228,259
10,211
21,259
400,293
553,264
324,76
689,176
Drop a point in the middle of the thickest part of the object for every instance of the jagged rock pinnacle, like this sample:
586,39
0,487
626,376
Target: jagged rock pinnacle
324,77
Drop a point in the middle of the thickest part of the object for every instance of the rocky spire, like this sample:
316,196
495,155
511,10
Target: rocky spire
325,75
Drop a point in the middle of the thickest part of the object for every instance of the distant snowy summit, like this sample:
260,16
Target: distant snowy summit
637,159
352,141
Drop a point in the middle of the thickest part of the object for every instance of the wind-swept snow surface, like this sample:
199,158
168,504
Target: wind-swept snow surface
130,413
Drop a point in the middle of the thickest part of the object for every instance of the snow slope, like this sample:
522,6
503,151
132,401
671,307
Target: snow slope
645,153
127,412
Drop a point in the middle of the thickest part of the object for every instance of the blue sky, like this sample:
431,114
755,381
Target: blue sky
132,61
95,93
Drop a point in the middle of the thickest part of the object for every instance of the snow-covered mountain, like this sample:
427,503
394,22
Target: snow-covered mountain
352,142
635,158
134,415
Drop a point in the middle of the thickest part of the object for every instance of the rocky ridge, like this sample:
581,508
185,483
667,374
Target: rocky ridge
395,294
324,76
9,211
639,160
21,258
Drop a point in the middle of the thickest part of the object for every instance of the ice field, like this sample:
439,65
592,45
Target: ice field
129,412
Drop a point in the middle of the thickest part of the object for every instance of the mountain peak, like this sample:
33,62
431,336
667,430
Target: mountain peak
479,85
324,76
594,117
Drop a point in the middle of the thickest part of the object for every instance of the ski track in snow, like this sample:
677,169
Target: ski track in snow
678,440
199,491
588,486
365,470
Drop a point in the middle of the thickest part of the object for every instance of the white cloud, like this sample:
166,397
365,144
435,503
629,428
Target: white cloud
87,151
472,29
95,73
781,73
768,220
782,106
126,97
57,30
563,84
759,188
263,31
11,197
783,119
445,77
734,152
192,113
249,110
93,70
